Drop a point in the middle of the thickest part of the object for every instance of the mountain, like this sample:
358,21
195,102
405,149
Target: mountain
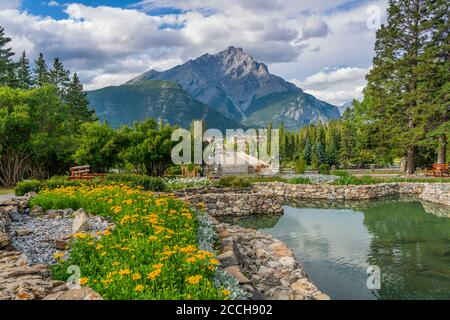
164,100
239,87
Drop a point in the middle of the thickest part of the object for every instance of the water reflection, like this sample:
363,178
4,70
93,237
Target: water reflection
336,242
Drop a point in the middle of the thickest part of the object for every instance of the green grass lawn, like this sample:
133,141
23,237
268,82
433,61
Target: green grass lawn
6,191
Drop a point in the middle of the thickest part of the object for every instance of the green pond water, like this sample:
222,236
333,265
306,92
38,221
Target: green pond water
337,243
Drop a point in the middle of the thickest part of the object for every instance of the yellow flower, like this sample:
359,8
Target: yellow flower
194,279
80,235
158,266
154,274
58,255
214,261
83,281
136,276
191,260
99,247
128,201
226,292
124,272
139,288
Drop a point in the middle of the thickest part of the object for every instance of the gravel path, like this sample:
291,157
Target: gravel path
35,236
5,197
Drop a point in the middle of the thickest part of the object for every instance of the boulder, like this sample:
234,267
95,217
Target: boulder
81,222
227,259
235,272
36,211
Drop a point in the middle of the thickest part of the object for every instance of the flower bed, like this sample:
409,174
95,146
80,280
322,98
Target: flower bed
183,183
152,253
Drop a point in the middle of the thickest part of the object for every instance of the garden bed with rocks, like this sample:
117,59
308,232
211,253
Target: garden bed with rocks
31,241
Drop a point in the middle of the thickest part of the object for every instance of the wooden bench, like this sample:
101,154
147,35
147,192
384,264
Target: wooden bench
439,170
83,173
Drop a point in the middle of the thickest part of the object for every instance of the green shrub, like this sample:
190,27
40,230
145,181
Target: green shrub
137,180
234,182
300,165
132,180
299,180
324,169
37,185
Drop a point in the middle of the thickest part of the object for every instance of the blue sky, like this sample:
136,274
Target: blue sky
55,8
325,47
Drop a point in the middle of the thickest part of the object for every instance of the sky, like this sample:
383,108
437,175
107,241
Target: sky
325,47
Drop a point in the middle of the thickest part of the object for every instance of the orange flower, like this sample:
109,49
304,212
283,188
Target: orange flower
83,281
139,288
154,274
136,276
194,279
124,272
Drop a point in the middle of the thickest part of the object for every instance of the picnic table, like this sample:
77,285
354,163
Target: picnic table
439,170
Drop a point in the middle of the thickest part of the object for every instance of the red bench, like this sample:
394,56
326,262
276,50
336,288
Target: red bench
83,173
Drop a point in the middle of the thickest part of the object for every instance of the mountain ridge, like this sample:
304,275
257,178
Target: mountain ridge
242,89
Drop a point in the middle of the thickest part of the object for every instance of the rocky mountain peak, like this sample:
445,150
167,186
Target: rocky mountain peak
237,63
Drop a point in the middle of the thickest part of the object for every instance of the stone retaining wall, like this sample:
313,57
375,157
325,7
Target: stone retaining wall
238,204
433,192
437,193
263,265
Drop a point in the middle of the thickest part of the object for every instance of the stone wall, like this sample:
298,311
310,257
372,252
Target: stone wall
334,192
263,265
238,204
432,192
437,193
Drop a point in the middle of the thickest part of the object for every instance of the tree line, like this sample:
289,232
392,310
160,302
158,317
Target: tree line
405,111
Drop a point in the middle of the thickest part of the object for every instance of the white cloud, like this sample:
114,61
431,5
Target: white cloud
9,4
53,4
105,45
335,86
315,27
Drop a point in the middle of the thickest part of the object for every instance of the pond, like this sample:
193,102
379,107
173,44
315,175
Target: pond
336,243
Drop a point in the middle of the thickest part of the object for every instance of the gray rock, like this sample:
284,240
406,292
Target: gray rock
23,232
81,222
37,211
227,259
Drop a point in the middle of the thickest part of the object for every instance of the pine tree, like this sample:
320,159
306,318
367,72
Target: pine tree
78,102
59,77
436,90
392,93
24,79
7,66
41,74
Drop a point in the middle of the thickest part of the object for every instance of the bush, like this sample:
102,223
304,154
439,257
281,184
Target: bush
38,185
300,166
234,182
299,180
137,180
324,169
132,180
